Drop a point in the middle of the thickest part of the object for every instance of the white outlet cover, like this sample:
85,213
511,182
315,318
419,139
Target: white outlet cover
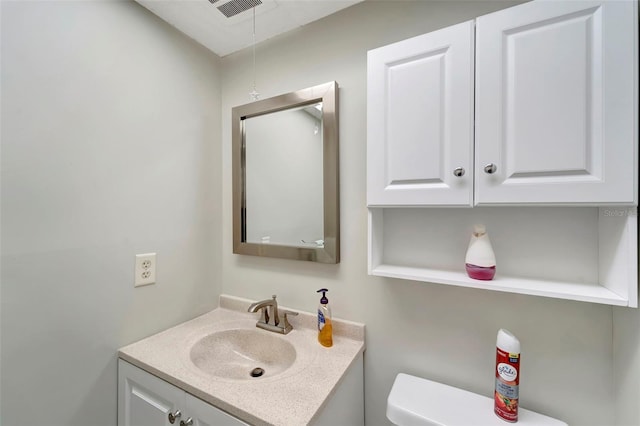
145,270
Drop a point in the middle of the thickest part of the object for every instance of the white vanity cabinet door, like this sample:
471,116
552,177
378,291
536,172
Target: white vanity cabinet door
145,400
203,414
556,103
420,120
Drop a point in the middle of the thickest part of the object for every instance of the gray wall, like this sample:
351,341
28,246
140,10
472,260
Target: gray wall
110,147
435,331
626,362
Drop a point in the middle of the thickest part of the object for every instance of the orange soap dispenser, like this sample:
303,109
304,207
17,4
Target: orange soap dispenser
325,329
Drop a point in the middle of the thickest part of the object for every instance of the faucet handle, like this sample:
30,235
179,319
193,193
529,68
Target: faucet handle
287,327
264,315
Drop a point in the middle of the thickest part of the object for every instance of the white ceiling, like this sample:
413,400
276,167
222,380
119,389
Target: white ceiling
202,21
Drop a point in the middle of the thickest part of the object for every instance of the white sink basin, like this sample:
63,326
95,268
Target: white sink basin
243,354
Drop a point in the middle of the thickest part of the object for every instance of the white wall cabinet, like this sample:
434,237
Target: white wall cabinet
420,120
145,400
531,117
556,103
555,89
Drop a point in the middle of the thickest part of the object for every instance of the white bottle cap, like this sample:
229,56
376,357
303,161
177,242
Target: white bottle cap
508,342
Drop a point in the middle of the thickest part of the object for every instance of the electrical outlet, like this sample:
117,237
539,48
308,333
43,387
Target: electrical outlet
145,269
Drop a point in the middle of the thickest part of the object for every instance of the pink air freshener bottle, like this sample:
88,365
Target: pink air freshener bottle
506,394
480,261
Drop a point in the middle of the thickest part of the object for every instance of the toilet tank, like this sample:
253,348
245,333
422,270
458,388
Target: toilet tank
414,401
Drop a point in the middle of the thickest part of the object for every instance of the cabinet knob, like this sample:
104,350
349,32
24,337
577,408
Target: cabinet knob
188,422
174,416
490,168
458,172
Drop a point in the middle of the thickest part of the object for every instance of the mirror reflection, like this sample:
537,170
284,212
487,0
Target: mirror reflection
285,176
283,150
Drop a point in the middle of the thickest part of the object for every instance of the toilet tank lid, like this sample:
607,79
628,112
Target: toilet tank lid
414,401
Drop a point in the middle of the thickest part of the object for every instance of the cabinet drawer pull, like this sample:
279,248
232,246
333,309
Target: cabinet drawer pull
458,172
188,422
490,168
174,416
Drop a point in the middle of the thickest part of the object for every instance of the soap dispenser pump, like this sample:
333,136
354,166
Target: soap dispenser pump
325,328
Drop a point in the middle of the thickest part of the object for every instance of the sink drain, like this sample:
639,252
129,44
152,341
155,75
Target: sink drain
257,372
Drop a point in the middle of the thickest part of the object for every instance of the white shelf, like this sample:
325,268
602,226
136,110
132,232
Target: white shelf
561,290
587,254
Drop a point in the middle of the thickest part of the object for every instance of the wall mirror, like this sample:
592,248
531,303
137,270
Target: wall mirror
285,176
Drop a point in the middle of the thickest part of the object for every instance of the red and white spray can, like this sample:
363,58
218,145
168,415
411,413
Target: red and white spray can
507,376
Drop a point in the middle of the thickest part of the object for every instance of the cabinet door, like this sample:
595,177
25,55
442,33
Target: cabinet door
203,414
556,103
145,400
420,120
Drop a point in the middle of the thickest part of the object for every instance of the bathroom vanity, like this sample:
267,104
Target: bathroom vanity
202,373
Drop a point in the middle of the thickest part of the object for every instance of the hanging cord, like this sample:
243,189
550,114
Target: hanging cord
254,93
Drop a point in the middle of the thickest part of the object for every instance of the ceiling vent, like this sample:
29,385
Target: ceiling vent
234,7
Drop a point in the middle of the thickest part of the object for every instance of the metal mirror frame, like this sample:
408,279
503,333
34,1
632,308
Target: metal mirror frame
326,93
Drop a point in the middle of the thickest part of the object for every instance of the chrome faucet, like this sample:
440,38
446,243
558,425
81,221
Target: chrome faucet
271,321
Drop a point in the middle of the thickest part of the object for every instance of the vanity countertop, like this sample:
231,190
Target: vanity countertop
294,397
